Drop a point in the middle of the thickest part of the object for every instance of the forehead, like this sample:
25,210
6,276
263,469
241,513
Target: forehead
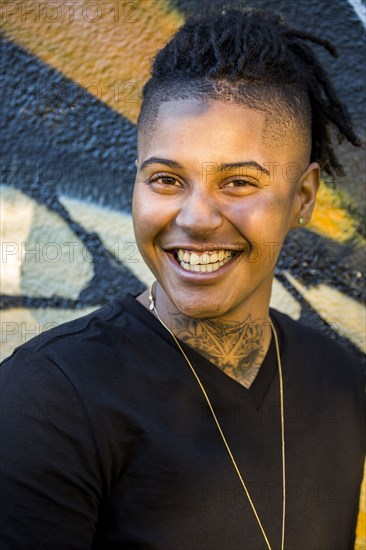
214,130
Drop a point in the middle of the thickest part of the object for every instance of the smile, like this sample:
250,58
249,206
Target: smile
207,261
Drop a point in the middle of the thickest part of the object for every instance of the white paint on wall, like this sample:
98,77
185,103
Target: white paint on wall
360,9
283,301
116,232
41,256
344,314
16,215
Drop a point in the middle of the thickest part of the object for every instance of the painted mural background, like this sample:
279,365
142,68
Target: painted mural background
71,80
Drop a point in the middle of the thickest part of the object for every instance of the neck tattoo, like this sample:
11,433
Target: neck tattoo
237,348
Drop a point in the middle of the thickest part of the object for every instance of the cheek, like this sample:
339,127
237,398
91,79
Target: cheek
149,218
261,217
263,225
139,214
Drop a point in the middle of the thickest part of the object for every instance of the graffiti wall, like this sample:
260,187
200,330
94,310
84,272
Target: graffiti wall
71,79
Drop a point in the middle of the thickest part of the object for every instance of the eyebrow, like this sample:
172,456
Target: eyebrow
221,167
247,164
158,160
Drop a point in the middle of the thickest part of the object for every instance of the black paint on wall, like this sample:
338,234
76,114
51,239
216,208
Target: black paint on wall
61,138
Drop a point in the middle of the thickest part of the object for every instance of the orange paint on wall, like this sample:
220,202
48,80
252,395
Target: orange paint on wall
106,46
330,218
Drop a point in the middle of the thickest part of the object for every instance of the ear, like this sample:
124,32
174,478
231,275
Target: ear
136,163
307,188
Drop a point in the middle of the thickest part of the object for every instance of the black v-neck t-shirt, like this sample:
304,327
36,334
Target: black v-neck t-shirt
108,441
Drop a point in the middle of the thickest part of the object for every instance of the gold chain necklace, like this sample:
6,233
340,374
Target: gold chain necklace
152,307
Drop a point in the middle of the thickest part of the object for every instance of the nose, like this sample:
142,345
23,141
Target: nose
199,214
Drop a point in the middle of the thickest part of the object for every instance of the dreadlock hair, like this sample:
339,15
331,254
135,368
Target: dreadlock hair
253,58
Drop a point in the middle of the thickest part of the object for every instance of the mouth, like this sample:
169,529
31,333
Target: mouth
207,261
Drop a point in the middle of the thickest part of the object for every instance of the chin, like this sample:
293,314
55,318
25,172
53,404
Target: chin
192,308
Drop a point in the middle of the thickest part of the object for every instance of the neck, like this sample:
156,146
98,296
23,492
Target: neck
236,347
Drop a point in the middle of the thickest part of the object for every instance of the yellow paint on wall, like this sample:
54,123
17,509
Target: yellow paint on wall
361,522
330,218
106,46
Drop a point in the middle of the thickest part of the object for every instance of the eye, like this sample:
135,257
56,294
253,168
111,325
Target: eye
240,184
164,180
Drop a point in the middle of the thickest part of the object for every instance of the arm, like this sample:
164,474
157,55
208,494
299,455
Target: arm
49,467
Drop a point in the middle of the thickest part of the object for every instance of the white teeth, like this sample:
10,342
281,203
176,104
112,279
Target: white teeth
186,266
207,262
194,259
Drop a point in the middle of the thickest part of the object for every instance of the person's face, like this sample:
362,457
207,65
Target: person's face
214,198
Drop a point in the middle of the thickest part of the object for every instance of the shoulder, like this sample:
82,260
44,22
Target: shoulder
76,349
312,338
91,330
82,367
322,370
65,332
100,350
321,353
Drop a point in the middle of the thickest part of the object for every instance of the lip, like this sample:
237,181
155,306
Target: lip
195,276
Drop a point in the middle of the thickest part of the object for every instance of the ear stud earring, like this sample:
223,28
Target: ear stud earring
301,221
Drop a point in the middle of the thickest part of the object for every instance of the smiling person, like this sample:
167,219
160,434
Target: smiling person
194,416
